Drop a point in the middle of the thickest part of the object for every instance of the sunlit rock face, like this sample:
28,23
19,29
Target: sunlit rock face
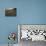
10,12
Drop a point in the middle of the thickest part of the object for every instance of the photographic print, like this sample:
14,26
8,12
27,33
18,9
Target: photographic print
10,12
